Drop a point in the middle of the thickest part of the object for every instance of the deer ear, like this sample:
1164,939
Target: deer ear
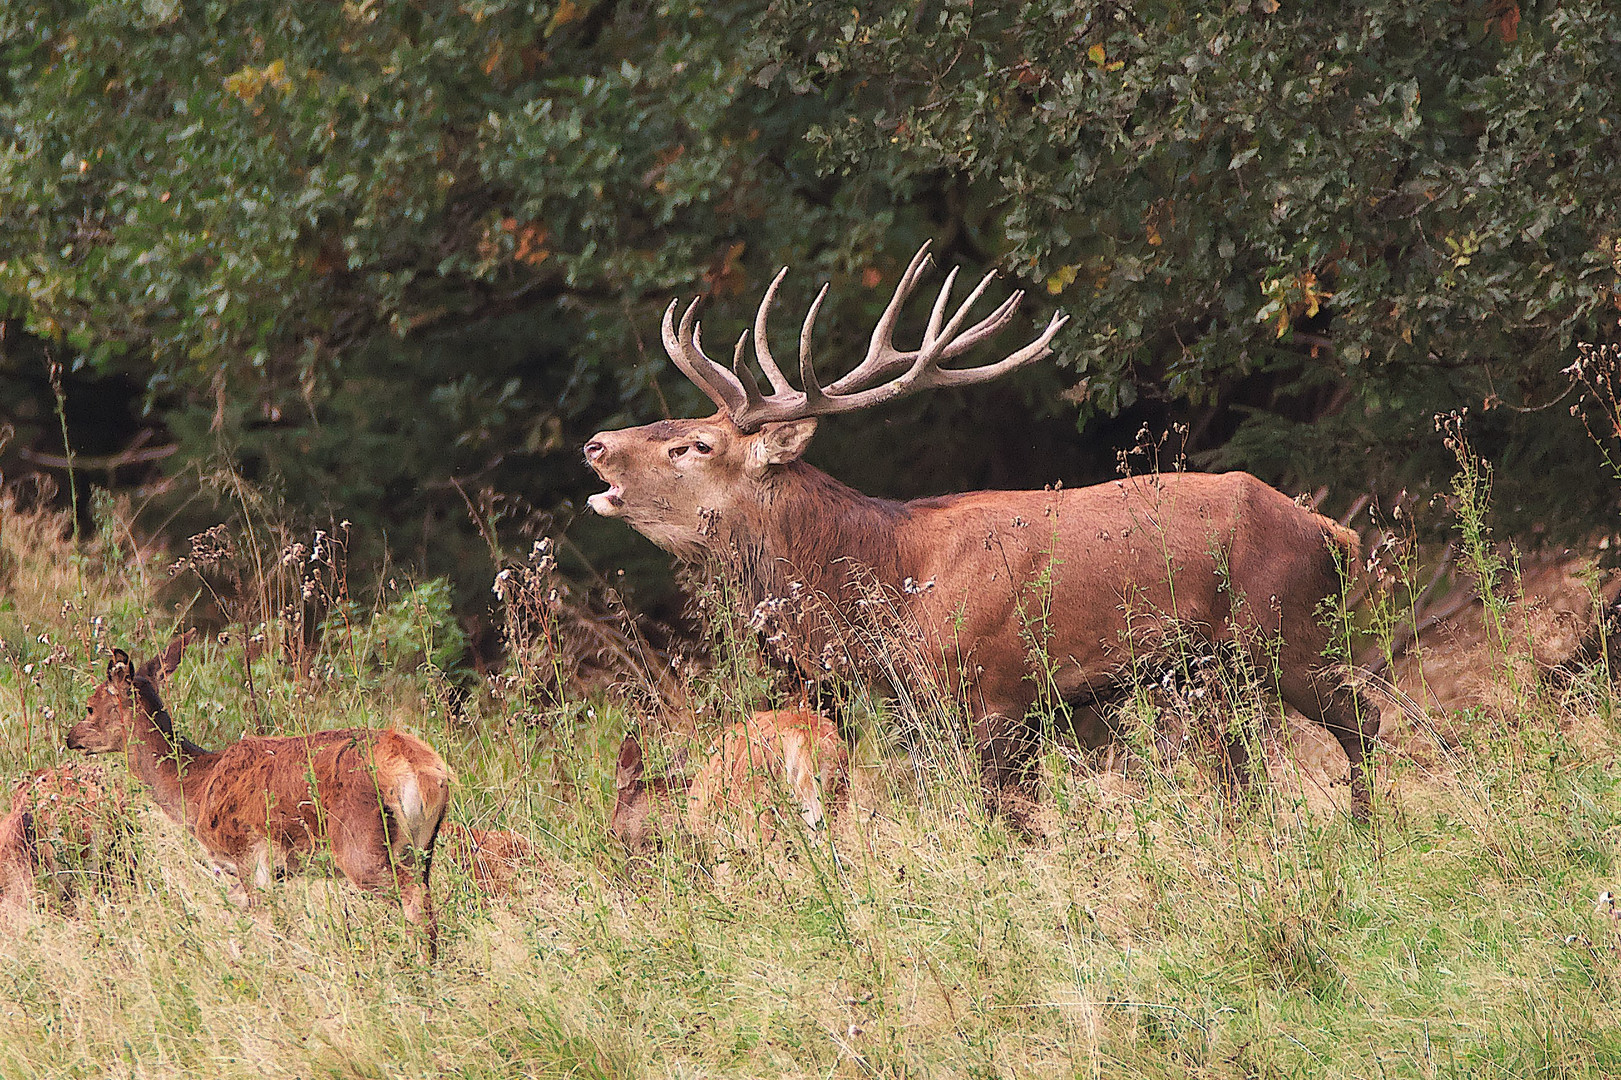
120,668
780,443
630,763
177,649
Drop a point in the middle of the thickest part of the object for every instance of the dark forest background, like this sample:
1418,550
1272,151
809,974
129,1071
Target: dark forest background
393,262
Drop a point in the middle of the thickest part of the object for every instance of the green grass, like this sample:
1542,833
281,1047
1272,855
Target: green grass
1155,931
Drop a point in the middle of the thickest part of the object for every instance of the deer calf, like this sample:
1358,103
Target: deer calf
376,797
64,826
796,749
491,857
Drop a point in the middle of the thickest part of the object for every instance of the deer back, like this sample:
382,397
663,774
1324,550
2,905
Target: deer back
298,790
792,756
66,826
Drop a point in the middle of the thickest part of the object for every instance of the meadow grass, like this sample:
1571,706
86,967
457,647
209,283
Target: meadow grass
1158,928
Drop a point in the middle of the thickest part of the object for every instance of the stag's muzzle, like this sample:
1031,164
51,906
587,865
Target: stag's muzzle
610,503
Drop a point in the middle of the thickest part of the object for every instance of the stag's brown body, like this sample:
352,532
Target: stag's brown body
377,797
1087,581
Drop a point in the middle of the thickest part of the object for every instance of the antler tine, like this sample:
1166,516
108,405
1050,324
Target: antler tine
751,389
684,349
950,332
925,374
939,342
768,363
1040,347
988,327
882,356
939,309
674,349
814,397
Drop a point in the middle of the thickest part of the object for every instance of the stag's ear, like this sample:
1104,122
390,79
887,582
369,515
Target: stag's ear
120,669
630,763
779,443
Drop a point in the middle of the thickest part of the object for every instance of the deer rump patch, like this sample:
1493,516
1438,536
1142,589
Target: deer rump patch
788,761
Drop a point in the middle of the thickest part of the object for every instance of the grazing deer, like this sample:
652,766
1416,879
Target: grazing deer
491,857
798,749
1094,580
65,825
377,797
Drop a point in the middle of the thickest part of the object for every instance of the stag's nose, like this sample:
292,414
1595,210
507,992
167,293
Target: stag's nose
594,450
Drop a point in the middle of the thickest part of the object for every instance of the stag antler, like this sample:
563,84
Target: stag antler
908,371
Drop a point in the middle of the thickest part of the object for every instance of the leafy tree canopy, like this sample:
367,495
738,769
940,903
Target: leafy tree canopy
399,256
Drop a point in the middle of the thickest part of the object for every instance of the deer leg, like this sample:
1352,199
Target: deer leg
376,866
1236,769
1347,715
247,873
1005,751
1006,759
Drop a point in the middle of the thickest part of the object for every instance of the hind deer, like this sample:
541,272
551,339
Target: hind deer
1110,575
795,750
65,827
491,857
376,797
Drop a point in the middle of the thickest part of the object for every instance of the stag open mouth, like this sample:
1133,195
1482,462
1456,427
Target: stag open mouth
610,503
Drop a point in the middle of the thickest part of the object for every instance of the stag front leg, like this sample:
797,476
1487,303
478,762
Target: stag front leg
1007,759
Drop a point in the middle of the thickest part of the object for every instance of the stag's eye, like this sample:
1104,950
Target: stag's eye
701,446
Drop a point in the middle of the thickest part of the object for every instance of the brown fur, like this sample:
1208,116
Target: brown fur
376,797
492,857
733,791
1116,570
63,822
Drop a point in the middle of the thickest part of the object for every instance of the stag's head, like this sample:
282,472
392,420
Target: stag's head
109,714
675,479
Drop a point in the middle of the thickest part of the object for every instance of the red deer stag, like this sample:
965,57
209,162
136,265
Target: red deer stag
378,797
1109,574
797,748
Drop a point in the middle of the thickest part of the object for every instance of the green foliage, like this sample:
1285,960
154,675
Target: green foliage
417,628
368,249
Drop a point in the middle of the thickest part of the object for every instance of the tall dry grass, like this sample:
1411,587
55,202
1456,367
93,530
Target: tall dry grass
1160,925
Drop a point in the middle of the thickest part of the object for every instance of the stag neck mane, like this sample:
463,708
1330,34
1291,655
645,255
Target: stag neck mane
810,530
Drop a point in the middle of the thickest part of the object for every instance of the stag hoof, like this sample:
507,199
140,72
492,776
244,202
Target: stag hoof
1020,811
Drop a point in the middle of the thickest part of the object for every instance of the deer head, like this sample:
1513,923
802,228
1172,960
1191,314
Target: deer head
675,479
108,714
645,809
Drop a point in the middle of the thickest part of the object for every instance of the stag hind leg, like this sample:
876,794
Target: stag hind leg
1329,698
